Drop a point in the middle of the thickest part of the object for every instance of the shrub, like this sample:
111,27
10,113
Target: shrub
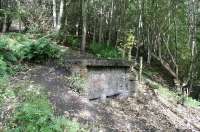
104,51
5,52
23,47
40,50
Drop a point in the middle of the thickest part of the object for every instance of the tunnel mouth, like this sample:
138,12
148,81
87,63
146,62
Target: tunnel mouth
106,80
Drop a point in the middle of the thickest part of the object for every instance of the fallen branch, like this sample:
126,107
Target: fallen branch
165,65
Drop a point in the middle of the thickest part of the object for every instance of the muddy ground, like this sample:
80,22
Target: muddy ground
144,111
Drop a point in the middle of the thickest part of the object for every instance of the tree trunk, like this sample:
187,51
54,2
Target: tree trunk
192,37
110,23
149,47
60,14
101,25
54,14
4,24
84,26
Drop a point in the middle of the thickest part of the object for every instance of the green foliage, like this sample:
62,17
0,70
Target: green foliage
77,83
73,41
104,51
35,113
41,49
170,95
3,88
16,47
25,47
33,116
60,124
3,68
126,44
5,53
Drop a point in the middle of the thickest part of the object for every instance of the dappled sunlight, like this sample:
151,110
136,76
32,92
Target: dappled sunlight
99,66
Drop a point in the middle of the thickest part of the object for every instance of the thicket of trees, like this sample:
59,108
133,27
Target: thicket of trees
164,30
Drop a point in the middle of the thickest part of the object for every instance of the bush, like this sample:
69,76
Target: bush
24,47
104,51
40,50
15,48
5,53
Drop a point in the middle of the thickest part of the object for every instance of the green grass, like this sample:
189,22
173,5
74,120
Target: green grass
34,112
170,95
164,90
192,102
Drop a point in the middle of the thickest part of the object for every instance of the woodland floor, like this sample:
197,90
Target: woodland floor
146,110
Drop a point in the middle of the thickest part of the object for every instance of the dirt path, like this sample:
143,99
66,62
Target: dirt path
144,112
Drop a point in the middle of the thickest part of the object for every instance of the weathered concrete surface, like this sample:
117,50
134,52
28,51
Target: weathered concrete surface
104,78
97,62
107,81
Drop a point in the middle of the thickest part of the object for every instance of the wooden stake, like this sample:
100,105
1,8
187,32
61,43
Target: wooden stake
141,67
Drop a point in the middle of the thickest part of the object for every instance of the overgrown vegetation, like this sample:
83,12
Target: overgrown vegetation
77,83
15,48
34,113
73,41
165,91
126,45
104,51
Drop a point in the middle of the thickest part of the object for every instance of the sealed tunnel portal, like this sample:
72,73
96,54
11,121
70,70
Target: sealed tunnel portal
104,78
107,81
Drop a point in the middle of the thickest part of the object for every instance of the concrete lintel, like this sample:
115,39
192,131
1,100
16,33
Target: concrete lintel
99,62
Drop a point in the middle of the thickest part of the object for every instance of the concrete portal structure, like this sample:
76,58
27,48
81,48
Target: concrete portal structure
104,78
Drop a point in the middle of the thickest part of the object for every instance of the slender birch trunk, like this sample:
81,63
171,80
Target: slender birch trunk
84,26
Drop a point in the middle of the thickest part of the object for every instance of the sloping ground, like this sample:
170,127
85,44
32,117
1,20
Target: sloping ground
145,111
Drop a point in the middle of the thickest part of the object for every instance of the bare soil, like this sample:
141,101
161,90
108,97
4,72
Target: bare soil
144,111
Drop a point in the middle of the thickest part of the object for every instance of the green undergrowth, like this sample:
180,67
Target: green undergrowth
34,113
31,110
73,41
27,47
77,83
163,89
16,48
171,95
105,51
